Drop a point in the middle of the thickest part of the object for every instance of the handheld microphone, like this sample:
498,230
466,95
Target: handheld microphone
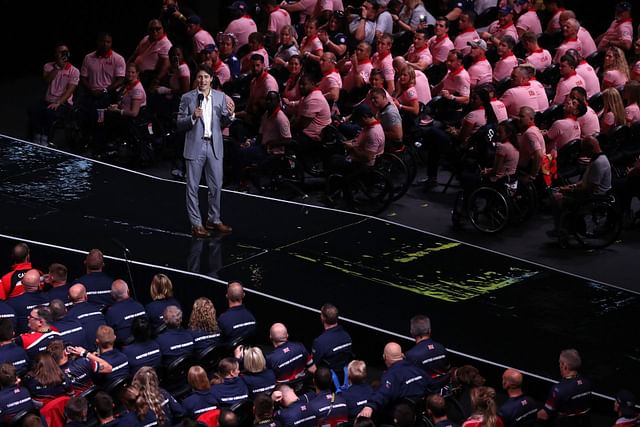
200,99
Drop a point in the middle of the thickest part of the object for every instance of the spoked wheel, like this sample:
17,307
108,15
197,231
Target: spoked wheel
369,191
595,225
393,166
457,213
286,181
488,210
524,202
411,158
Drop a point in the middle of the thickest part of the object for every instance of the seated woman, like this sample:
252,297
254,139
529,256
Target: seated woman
484,409
507,155
204,325
161,290
287,48
333,34
227,44
613,113
311,46
46,381
631,95
616,69
144,351
200,400
406,98
256,375
256,45
481,113
291,90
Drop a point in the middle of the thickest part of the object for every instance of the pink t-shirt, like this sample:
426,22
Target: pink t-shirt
457,82
504,67
423,88
497,31
309,9
101,71
371,139
364,69
587,42
407,96
589,123
315,107
461,40
499,110
329,81
635,70
632,114
540,58
554,23
291,90
618,30
384,63
134,92
518,97
183,73
241,28
310,44
440,47
247,58
511,157
416,56
531,142
480,72
260,86
589,77
69,75
565,46
561,132
222,72
529,21
614,78
476,119
201,39
541,95
274,127
565,85
150,51
278,19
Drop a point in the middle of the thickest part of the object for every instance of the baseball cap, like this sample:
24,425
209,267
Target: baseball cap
478,43
627,402
239,5
209,48
194,19
505,10
623,6
361,110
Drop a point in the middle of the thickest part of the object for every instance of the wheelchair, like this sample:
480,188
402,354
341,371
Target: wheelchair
368,190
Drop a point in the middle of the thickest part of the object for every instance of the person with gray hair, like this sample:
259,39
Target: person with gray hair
70,329
571,398
428,354
570,29
175,341
121,314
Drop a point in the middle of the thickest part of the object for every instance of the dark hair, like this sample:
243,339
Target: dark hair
263,407
227,419
6,329
207,69
404,415
44,313
256,37
330,313
581,91
7,374
512,134
457,53
509,41
419,326
323,380
141,329
20,253
570,60
103,404
257,57
437,405
471,14
489,112
58,310
76,408
445,19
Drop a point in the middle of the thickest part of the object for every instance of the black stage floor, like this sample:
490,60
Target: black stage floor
483,305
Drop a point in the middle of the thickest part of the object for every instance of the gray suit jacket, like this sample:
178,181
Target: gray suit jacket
195,131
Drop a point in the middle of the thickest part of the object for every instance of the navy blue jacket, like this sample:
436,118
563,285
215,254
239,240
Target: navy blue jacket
517,409
298,414
91,318
23,304
260,382
400,380
174,343
16,355
60,292
357,397
155,310
143,354
72,332
330,408
203,339
289,361
237,322
232,390
332,348
120,317
432,358
199,402
571,396
7,312
13,400
119,365
98,286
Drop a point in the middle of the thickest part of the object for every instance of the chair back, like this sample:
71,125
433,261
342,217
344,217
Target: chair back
596,102
209,357
210,418
53,411
244,412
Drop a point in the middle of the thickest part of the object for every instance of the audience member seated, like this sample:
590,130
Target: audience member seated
287,47
104,409
40,332
616,69
152,56
106,339
278,17
586,72
589,122
175,341
437,411
631,95
200,400
258,378
484,409
569,79
331,82
333,348
294,410
10,352
311,47
46,381
241,25
531,145
507,155
358,391
227,44
80,367
466,32
85,312
419,55
521,94
357,69
199,36
237,322
232,389
333,34
527,20
555,9
480,71
538,57
124,309
161,290
291,87
329,407
456,85
518,407
566,129
613,114
203,325
56,284
620,32
261,84
502,69
440,45
427,354
256,46
263,411
584,37
14,398
500,28
143,351
96,282
481,112
625,408
570,33
289,360
21,263
70,329
32,297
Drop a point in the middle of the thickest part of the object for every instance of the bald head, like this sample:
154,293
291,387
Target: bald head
235,292
567,14
278,333
77,293
511,379
94,260
31,280
119,290
392,353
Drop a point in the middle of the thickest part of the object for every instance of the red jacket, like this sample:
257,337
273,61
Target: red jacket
12,281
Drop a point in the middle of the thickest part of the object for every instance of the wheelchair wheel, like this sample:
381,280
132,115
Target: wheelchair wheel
524,202
457,213
284,181
368,191
488,210
411,159
393,166
595,224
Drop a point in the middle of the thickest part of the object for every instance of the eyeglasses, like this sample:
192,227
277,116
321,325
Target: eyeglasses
32,317
155,29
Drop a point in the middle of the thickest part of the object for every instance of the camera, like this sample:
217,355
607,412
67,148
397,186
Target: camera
171,9
423,19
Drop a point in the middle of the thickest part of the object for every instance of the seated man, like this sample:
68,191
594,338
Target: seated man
175,341
294,411
620,32
480,70
569,80
530,144
330,408
359,391
567,129
78,364
357,69
121,314
9,351
456,85
331,82
419,54
502,27
389,117
521,94
570,32
502,68
232,389
289,360
13,398
538,57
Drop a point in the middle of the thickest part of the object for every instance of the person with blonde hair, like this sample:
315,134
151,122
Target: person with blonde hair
613,114
616,69
484,409
359,391
161,290
203,324
200,400
256,375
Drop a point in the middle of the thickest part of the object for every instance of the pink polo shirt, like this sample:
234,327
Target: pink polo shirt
101,71
554,23
632,113
261,85
423,88
329,81
371,139
278,19
134,92
529,21
565,85
518,97
589,77
504,67
241,28
565,46
531,142
315,107
457,82
541,95
614,78
407,96
440,47
274,128
69,75
476,119
562,131
539,58
497,31
480,72
384,63
589,123
510,163
201,39
635,71
310,44
461,40
587,42
309,9
416,56
150,51
364,69
618,30
183,73
499,110
291,90
222,71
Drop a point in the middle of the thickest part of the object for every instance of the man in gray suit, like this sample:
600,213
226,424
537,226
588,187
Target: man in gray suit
202,114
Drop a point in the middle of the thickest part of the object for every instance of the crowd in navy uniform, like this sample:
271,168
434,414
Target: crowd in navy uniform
120,381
